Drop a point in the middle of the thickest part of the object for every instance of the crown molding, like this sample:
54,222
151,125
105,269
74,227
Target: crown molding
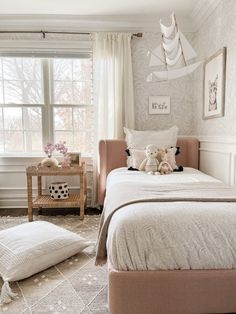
201,11
125,23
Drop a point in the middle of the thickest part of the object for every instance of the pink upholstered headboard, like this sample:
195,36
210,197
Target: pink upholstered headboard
112,155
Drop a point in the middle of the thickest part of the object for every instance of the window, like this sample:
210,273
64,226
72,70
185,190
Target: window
72,82
45,100
21,93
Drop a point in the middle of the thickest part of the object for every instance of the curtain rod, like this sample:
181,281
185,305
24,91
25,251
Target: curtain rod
55,32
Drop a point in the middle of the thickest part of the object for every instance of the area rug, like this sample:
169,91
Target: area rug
73,286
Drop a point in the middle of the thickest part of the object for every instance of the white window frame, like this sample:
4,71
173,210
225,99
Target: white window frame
48,106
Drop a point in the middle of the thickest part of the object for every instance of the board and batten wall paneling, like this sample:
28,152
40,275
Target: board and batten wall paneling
218,158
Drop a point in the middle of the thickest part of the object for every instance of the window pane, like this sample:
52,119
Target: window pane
82,69
12,118
63,119
32,69
83,118
63,93
23,92
72,81
32,118
83,141
0,68
1,119
13,92
62,69
1,142
64,136
12,69
1,93
32,93
33,141
14,141
82,93
22,79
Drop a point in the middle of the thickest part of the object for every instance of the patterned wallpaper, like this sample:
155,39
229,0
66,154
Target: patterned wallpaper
217,31
180,91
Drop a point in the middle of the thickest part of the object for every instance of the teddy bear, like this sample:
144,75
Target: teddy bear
164,166
150,163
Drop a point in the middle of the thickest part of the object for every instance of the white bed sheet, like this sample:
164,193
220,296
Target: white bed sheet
172,235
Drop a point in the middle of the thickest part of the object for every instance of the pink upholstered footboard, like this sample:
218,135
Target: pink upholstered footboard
172,292
112,155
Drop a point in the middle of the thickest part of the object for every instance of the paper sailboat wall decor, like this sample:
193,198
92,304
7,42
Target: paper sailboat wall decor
173,53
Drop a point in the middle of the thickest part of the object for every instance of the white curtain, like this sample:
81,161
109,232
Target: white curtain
113,80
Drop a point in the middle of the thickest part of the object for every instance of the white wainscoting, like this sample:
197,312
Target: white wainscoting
218,158
13,185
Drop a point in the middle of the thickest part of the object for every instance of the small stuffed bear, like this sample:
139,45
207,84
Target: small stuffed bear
164,166
150,163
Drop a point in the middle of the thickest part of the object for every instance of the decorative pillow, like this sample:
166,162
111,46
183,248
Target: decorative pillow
32,247
140,139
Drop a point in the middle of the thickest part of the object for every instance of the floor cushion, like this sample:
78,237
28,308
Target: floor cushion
32,247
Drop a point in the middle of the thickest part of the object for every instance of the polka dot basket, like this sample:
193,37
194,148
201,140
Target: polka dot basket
59,190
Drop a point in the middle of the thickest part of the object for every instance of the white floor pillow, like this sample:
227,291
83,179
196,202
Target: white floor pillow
32,247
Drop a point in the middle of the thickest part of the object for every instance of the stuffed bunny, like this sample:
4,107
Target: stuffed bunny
164,166
150,163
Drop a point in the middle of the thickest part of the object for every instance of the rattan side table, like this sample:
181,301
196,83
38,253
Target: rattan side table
44,201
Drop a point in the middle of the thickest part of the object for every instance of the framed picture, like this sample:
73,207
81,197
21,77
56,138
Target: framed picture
159,104
75,158
214,85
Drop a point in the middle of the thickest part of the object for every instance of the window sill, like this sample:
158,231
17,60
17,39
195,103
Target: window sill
59,157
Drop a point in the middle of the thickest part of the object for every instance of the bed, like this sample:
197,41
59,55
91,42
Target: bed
147,288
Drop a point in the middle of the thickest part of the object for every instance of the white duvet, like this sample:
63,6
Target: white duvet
171,235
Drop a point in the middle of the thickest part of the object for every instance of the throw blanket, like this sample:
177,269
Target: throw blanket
124,194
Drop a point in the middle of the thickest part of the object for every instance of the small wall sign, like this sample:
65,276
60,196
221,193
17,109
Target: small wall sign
159,104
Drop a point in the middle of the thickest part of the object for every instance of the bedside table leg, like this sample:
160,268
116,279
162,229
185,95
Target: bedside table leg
81,215
81,196
30,196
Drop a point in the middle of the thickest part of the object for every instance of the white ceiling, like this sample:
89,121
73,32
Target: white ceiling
97,7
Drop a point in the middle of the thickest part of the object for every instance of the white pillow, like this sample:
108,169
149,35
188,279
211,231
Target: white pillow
136,157
32,247
140,139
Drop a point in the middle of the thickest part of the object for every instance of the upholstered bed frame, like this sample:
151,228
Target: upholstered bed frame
165,292
112,155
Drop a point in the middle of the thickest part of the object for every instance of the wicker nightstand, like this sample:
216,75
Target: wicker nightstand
44,201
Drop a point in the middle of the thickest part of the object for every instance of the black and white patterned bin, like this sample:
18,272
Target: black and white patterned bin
59,190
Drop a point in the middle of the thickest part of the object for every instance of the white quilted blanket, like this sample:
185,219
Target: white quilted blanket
171,235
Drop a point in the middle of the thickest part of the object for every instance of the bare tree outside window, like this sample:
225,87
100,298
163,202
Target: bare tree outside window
20,93
74,118
27,92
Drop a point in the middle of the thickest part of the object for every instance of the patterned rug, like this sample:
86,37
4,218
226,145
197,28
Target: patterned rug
73,286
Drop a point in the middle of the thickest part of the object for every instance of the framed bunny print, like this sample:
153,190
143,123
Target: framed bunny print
214,85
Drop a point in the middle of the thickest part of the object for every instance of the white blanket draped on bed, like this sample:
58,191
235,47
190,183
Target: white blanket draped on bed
171,235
